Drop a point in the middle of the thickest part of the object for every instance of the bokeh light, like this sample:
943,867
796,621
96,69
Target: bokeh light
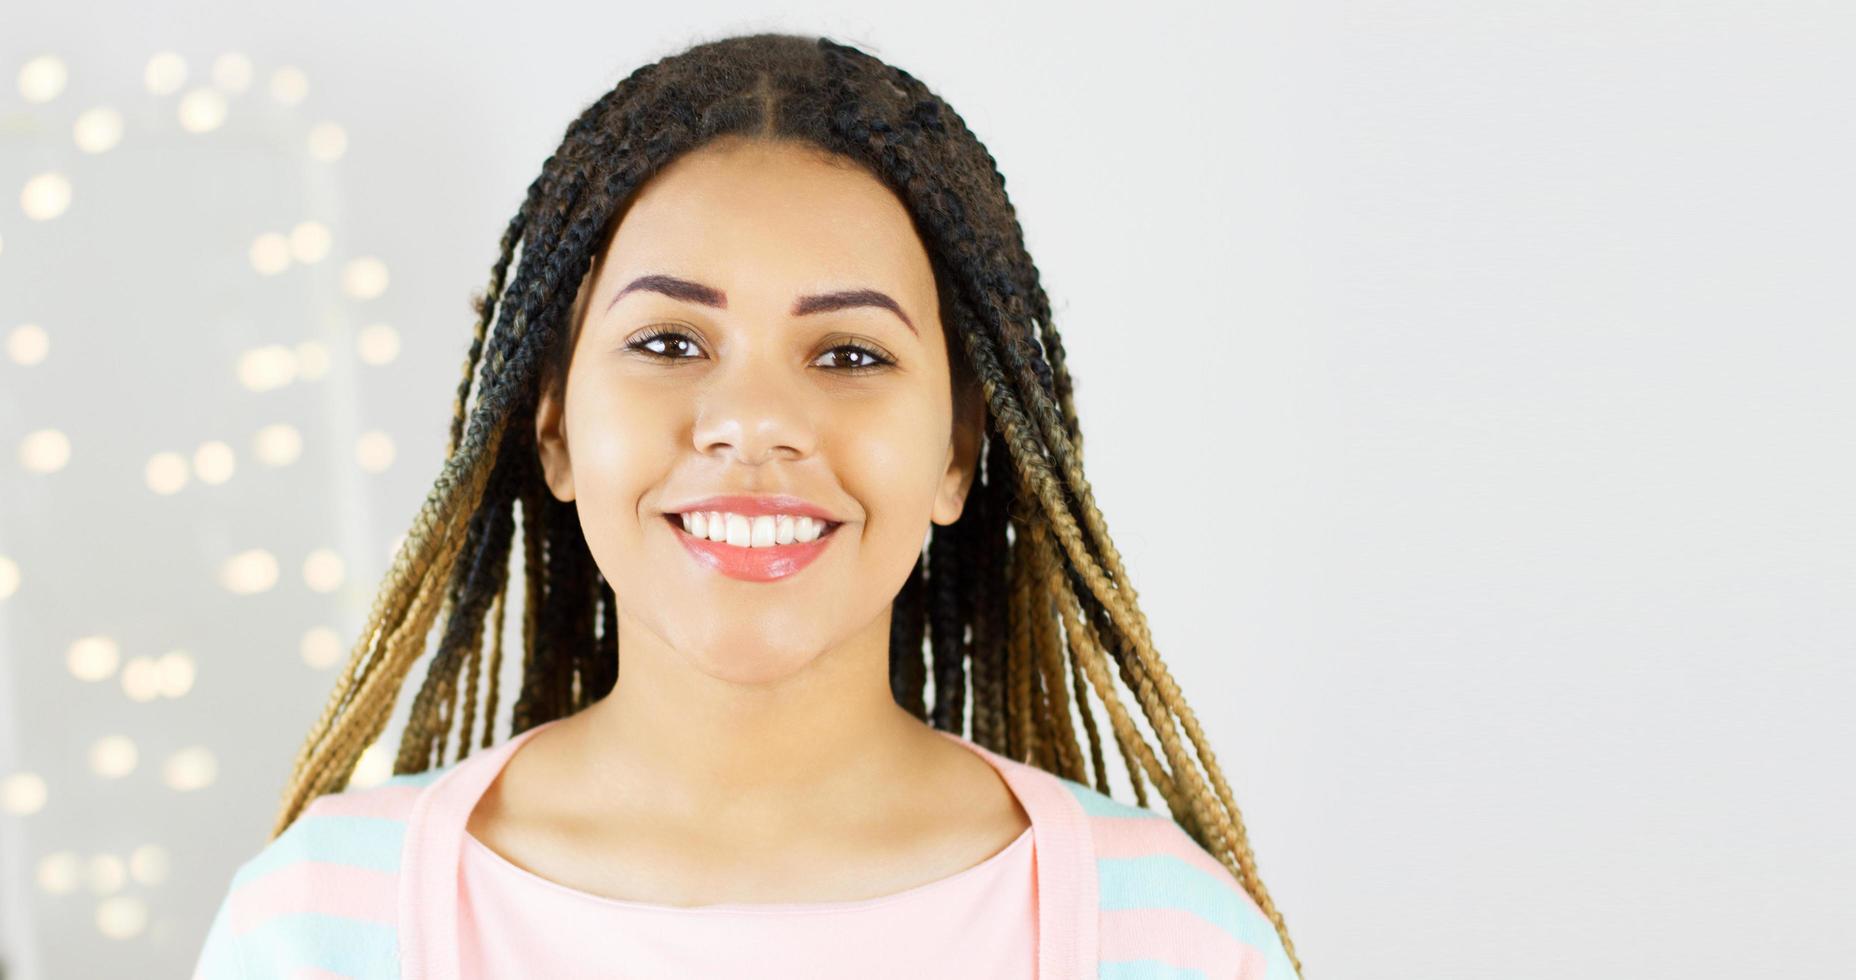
373,768
268,367
289,85
97,130
113,756
59,873
166,473
177,672
364,278
92,658
277,445
190,769
249,572
28,344
377,344
323,570
9,577
42,78
22,793
374,451
214,462
44,451
327,141
309,241
201,110
165,74
150,864
122,917
269,253
141,679
320,647
45,196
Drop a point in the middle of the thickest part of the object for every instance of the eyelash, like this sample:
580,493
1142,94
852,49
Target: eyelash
658,333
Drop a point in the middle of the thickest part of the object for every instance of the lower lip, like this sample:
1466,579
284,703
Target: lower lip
752,564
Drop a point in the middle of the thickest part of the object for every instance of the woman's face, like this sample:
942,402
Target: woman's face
704,365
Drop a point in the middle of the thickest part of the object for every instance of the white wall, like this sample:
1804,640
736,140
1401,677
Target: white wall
1464,383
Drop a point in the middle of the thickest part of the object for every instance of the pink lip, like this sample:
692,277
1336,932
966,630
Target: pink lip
752,564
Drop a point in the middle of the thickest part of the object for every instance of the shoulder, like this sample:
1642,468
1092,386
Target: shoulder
324,893
356,829
1167,902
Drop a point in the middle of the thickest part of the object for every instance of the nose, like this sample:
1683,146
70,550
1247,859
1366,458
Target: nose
754,412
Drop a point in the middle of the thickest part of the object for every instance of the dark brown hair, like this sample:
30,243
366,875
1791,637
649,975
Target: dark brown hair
1025,575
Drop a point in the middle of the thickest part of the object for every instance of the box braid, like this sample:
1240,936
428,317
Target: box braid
1025,581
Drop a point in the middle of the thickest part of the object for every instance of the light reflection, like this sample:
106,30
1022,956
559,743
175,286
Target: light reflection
249,572
45,196
165,74
42,78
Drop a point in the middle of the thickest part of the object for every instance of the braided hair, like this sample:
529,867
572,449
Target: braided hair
1025,574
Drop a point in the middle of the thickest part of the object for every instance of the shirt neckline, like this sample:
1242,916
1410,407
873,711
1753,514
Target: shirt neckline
924,891
434,842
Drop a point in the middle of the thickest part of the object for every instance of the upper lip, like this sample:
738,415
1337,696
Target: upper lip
751,505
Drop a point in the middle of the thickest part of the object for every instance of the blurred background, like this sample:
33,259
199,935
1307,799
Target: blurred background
1467,386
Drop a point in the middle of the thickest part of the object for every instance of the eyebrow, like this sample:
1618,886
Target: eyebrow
695,292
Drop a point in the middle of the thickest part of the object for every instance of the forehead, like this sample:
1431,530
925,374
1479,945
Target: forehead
779,216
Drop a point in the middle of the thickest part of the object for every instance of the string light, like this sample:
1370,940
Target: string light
202,104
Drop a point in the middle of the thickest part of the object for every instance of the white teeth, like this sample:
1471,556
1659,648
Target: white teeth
738,530
759,531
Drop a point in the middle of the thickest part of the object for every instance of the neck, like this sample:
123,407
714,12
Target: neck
714,751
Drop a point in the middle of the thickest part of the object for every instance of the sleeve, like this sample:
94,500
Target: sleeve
220,957
1265,957
1275,957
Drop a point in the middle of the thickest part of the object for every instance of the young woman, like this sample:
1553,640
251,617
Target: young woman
773,335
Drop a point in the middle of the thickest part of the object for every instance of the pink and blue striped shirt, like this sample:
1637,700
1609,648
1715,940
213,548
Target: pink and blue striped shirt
385,882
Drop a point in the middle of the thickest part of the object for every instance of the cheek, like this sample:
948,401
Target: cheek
890,458
621,443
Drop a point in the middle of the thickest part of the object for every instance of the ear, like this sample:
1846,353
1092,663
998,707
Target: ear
963,455
551,442
550,405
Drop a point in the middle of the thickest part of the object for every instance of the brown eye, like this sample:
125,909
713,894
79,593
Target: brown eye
853,359
847,359
667,344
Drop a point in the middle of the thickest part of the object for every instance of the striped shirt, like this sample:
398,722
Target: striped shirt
364,885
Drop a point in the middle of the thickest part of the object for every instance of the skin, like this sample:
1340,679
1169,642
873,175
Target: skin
751,750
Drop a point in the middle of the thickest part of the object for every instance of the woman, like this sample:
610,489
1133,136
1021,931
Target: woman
773,330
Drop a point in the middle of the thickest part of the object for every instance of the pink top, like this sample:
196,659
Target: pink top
432,929
368,884
980,922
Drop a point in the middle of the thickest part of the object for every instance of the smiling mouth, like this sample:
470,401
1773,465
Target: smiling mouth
676,524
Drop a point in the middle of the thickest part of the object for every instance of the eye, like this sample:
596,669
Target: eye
669,338
672,344
873,359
